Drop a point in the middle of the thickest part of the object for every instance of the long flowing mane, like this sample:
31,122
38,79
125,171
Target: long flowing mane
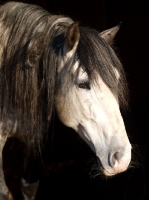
30,41
28,65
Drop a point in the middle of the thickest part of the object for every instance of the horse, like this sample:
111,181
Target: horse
50,65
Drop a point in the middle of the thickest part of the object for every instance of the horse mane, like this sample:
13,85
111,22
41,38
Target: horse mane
100,58
28,65
30,41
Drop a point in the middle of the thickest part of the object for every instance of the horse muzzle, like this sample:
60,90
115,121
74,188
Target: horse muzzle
115,163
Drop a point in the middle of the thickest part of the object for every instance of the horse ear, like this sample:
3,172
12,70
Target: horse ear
108,35
71,42
72,37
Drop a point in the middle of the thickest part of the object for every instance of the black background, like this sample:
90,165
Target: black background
67,162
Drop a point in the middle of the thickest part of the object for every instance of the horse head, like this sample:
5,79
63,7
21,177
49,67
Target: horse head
91,104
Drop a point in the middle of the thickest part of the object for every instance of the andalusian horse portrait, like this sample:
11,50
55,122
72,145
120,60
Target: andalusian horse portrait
51,64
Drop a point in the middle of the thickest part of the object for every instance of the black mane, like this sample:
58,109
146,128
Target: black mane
30,41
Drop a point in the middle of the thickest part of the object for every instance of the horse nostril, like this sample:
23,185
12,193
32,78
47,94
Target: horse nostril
118,155
115,158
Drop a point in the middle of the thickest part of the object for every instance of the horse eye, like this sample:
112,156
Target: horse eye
84,85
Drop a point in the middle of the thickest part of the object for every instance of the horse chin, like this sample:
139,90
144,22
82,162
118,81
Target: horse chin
118,168
106,173
111,172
